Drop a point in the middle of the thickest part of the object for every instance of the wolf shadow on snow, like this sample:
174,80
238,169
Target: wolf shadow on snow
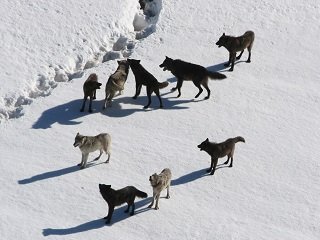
117,216
55,173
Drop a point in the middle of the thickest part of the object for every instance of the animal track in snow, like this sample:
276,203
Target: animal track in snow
120,45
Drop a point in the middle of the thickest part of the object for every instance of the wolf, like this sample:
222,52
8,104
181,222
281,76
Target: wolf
89,90
188,71
143,77
117,197
88,144
236,44
158,183
116,82
219,150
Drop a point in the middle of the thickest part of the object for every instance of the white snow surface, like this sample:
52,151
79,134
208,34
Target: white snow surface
49,48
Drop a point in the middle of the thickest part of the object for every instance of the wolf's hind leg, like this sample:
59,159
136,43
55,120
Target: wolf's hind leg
97,158
149,92
158,95
168,194
249,57
240,55
83,103
226,162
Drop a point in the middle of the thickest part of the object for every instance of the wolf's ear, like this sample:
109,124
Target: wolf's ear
167,57
138,61
119,62
223,34
78,134
207,140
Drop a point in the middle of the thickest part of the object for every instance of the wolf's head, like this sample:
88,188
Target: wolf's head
105,191
133,62
78,140
167,63
222,40
154,179
203,145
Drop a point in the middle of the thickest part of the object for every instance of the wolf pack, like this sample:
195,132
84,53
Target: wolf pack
182,70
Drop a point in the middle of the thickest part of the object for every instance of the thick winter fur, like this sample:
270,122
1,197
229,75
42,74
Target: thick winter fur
219,150
143,77
88,144
89,90
188,71
158,183
116,82
236,44
117,197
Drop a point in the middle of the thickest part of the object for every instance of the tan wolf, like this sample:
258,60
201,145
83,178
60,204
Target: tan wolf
159,182
219,150
90,87
236,44
88,144
117,197
188,71
116,82
143,77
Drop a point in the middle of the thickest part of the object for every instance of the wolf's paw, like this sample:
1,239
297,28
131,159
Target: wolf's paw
79,164
208,170
212,173
230,165
145,107
173,89
231,70
156,208
131,214
207,97
150,206
108,222
134,97
167,197
82,167
248,61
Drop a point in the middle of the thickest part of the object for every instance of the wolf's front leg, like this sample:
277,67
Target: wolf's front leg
154,195
215,161
157,201
168,194
209,170
84,160
109,216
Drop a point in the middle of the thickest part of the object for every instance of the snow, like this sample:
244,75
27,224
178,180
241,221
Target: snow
49,49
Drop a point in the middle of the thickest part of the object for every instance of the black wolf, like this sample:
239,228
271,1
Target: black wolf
89,90
236,44
219,150
143,77
117,197
189,71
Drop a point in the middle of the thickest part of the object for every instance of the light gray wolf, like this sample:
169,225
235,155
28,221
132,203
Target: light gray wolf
89,90
143,77
88,144
159,182
116,82
219,150
117,197
188,71
236,44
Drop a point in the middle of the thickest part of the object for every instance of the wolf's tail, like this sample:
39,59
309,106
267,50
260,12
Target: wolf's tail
141,194
239,139
216,75
163,84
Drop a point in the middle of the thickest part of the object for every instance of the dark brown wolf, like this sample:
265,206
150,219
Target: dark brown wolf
189,71
116,82
143,77
236,44
219,150
117,197
89,90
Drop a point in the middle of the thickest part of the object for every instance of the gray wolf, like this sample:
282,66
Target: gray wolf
117,197
219,150
143,77
188,71
159,182
88,144
116,82
89,90
236,44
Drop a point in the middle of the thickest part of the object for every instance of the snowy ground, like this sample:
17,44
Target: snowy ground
272,192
